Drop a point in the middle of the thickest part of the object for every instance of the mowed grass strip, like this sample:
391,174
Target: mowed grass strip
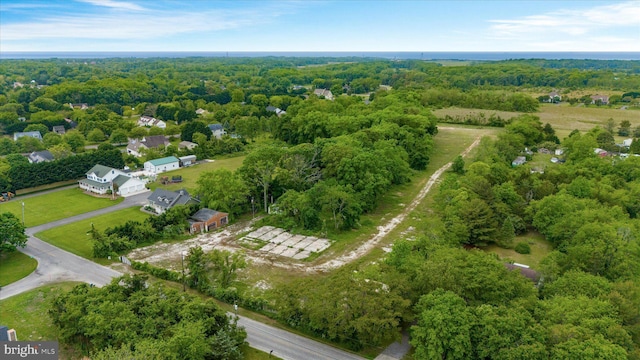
190,174
14,266
54,206
27,312
74,237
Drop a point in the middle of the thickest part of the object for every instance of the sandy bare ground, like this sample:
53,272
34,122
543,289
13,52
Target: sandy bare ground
167,255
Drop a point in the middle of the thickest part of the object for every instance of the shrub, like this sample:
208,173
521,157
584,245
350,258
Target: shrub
523,248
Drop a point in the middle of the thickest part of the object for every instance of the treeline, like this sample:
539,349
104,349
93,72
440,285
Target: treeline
479,119
24,175
132,319
492,100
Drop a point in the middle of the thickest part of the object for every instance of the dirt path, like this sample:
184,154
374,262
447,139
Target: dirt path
166,254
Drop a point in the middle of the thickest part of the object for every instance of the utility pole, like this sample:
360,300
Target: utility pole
23,213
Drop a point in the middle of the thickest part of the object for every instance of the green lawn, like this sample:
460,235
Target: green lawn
539,249
14,266
27,312
55,206
190,174
73,237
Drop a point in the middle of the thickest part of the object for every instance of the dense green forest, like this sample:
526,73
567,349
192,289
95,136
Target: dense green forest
324,163
36,95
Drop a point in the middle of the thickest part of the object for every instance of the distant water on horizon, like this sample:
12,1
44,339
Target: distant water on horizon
426,55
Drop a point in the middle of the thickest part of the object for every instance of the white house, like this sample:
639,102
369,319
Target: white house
151,121
100,179
33,134
323,92
158,166
217,130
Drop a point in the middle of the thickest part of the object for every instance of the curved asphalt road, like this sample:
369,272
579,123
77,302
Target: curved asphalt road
56,265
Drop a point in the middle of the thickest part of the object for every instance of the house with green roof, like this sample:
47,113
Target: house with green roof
161,165
103,179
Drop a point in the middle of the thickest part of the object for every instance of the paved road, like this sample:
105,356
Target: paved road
288,346
56,265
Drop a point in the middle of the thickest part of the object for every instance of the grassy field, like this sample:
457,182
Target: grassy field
190,174
73,237
55,206
539,249
563,117
27,312
566,118
14,266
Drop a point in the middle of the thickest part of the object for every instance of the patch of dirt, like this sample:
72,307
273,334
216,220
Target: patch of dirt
226,239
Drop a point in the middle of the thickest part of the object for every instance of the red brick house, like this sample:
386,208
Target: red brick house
207,219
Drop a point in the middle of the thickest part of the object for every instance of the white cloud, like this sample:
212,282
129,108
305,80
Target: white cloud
120,5
571,22
123,26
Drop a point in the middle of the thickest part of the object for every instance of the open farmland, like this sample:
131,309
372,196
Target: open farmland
563,117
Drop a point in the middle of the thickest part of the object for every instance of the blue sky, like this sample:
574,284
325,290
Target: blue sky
315,25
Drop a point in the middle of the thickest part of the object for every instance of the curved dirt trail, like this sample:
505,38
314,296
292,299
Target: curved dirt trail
384,230
160,253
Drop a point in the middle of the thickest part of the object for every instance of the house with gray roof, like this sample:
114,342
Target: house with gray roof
59,129
207,219
103,180
136,146
161,165
217,130
40,156
162,200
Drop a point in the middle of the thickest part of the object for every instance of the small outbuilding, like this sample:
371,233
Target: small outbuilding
161,165
187,160
520,160
207,219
